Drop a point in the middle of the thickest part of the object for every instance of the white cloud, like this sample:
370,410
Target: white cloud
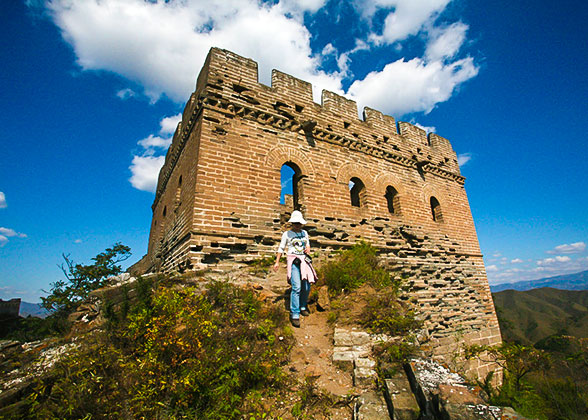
575,248
168,124
162,46
125,93
463,158
145,170
408,86
407,17
492,268
145,166
11,233
547,267
556,260
301,6
516,261
446,42
3,204
155,142
6,233
78,241
428,129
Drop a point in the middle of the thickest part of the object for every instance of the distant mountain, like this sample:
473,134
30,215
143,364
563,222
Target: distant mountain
32,309
576,281
529,316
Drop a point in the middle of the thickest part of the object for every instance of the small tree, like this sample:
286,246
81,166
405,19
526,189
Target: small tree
81,279
515,359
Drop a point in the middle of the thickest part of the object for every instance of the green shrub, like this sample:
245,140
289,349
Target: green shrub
383,313
354,267
177,354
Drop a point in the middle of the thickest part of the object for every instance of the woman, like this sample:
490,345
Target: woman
296,244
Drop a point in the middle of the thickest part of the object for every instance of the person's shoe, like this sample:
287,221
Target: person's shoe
305,312
295,322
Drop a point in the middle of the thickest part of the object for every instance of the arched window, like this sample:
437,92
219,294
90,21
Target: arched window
290,193
357,192
392,200
436,210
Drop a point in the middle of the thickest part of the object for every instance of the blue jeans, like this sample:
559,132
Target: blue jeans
300,291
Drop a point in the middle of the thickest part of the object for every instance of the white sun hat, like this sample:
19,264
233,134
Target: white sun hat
296,217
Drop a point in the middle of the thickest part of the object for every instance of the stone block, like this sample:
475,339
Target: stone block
360,338
371,406
364,362
402,403
342,337
344,359
364,377
362,351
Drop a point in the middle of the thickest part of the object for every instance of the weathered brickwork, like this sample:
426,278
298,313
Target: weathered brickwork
218,196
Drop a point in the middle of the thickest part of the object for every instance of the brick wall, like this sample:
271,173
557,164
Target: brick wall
218,195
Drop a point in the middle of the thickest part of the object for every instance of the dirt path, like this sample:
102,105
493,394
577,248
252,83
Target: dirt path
312,355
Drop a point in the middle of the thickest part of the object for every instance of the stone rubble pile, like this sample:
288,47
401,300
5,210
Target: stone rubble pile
419,390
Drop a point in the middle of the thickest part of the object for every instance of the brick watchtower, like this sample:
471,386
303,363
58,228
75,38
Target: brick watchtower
218,194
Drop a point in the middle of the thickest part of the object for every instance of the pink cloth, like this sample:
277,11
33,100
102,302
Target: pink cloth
306,269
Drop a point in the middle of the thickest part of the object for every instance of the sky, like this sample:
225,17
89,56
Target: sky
91,91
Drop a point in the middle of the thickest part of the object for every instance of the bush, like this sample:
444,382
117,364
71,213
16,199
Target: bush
384,314
353,268
177,354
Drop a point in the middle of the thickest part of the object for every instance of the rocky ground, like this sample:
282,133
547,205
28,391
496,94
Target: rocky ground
335,361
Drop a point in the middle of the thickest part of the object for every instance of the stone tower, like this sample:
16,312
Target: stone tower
218,194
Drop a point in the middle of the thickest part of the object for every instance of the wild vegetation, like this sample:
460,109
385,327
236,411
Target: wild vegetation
213,350
364,293
178,352
545,368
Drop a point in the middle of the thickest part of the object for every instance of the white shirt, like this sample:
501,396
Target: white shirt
294,242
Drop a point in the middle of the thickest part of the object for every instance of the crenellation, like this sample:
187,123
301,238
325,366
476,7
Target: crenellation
345,109
218,195
381,122
415,135
295,90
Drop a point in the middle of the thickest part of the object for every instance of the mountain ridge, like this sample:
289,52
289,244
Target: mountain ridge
532,315
574,281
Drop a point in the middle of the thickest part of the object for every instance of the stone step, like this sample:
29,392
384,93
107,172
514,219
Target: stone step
371,406
402,404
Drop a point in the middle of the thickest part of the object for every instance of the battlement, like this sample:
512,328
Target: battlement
232,77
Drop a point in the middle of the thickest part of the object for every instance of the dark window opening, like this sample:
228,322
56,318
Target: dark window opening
436,210
290,193
357,192
392,200
164,211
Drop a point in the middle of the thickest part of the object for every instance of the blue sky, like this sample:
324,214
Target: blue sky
91,92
